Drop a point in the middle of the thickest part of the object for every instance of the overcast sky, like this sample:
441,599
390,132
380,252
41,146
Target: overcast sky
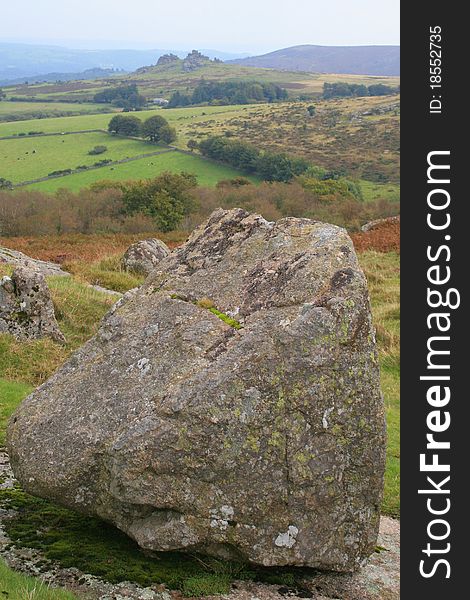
239,25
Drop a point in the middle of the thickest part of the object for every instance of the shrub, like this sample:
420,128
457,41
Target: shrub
5,184
98,150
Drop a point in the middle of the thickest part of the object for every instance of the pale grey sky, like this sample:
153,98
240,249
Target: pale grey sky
240,25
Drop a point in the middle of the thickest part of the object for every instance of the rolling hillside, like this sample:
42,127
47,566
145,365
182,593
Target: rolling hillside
30,61
353,60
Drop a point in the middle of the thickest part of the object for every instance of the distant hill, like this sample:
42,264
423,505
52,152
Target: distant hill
89,74
30,61
354,60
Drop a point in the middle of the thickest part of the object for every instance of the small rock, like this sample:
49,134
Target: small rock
26,308
142,257
380,223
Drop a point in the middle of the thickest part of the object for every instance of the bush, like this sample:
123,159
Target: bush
5,184
103,162
98,150
345,90
60,172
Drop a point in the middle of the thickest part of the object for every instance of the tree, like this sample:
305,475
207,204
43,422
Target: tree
167,134
166,199
124,96
125,125
5,184
311,110
156,129
192,145
2,94
279,167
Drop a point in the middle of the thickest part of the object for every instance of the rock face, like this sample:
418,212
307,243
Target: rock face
231,405
26,309
143,257
18,259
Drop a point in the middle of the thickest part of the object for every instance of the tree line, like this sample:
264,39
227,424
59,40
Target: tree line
156,129
270,166
174,201
123,96
346,90
229,92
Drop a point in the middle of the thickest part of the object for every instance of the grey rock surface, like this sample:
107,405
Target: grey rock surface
231,405
18,259
379,579
26,308
144,256
380,222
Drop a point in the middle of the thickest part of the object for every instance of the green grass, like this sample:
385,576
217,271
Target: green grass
208,173
33,110
79,310
11,394
383,274
107,273
375,191
19,163
100,121
15,586
100,549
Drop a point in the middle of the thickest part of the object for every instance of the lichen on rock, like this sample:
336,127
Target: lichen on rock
142,257
26,308
264,442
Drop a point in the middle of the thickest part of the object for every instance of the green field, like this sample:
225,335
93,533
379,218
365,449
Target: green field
372,191
27,158
12,111
100,121
208,173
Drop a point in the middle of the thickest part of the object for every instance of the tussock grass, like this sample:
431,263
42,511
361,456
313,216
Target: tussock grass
107,272
16,586
383,273
79,309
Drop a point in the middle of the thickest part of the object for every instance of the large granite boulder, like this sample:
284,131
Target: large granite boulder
142,257
231,405
26,308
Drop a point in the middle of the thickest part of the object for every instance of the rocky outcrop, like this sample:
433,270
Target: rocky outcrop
195,60
167,59
381,223
142,257
18,259
26,309
231,405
